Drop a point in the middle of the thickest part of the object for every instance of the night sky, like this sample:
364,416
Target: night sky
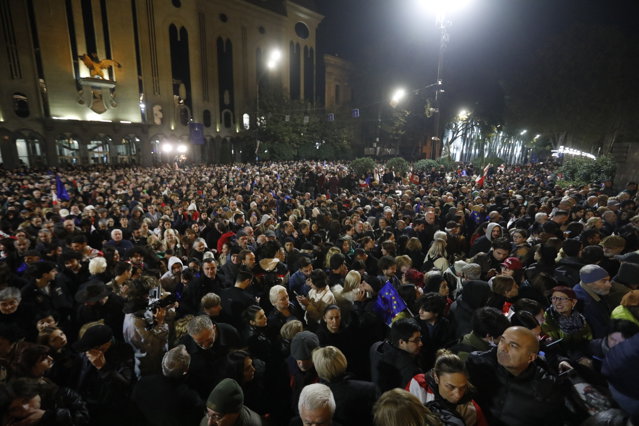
397,42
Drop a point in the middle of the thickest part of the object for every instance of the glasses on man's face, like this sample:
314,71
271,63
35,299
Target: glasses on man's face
416,340
557,299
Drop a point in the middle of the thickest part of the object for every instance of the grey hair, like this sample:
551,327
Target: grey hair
315,396
175,363
199,324
471,271
10,293
274,292
97,265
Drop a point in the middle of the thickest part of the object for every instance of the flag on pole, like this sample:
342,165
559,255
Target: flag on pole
389,303
61,191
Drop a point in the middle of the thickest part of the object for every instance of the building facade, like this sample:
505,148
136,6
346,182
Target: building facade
144,81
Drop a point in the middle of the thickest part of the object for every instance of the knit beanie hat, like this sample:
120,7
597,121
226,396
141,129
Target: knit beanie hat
226,397
591,273
303,344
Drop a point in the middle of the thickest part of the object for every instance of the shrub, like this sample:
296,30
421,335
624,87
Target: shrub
363,165
425,165
581,171
398,165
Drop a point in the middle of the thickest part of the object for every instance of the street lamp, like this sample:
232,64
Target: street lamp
397,97
272,61
442,9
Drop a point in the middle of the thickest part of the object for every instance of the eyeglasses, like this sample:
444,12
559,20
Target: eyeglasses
416,340
559,299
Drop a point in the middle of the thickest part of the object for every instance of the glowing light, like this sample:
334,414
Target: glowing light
125,122
167,147
523,132
182,148
463,114
397,96
274,58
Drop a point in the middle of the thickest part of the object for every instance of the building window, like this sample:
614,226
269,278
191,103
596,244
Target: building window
68,150
20,105
176,3
223,17
227,118
206,118
261,30
98,150
29,152
302,30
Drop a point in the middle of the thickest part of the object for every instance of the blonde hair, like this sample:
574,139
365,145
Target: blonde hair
291,328
398,407
437,249
352,281
330,363
402,261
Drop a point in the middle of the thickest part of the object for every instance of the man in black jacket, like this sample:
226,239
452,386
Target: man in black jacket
511,388
208,282
395,362
165,399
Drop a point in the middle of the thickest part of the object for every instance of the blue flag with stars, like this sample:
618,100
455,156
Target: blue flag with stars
389,303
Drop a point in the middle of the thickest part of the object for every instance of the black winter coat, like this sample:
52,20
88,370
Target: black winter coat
533,398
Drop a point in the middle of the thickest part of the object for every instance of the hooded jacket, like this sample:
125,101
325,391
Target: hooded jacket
483,244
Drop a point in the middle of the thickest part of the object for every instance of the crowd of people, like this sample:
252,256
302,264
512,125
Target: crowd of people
301,293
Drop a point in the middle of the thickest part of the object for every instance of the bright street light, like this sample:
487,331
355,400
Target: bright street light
182,148
274,58
463,114
442,7
523,132
397,97
167,147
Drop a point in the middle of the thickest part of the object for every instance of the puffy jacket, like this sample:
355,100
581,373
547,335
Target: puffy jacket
532,398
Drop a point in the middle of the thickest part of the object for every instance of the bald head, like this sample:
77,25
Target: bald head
517,349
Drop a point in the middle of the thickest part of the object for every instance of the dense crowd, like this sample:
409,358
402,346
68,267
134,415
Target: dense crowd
301,293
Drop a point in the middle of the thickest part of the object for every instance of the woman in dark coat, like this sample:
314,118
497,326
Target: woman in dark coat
354,398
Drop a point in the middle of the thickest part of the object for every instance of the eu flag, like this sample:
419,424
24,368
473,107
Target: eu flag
60,190
389,303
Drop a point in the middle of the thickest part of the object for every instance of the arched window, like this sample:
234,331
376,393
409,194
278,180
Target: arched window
29,151
98,150
68,150
21,105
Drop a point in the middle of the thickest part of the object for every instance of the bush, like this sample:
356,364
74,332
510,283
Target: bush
425,165
362,166
581,171
447,162
398,165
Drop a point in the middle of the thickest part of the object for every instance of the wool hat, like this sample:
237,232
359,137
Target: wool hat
628,274
565,290
226,397
512,263
303,344
632,257
591,273
93,337
414,276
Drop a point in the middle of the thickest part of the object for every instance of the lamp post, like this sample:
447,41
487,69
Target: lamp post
442,10
272,62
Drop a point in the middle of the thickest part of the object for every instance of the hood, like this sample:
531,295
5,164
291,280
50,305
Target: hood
173,260
269,264
489,230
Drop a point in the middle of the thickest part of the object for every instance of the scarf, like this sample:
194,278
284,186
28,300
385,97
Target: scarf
572,323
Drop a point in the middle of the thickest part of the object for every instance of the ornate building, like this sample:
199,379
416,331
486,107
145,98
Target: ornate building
120,81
